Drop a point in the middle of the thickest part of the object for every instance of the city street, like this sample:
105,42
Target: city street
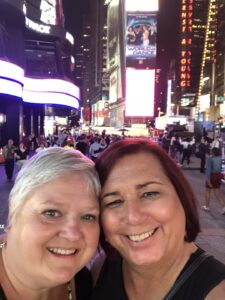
212,236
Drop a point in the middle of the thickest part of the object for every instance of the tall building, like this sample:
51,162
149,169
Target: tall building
82,70
36,87
97,68
193,23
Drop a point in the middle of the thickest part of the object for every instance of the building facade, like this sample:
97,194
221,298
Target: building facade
36,83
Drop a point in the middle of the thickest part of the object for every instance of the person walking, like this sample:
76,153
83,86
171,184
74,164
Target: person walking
202,151
213,179
187,150
8,154
95,149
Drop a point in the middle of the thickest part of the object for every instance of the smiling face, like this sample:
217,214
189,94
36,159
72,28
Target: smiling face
142,216
55,234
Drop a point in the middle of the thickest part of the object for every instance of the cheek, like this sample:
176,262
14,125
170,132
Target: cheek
92,235
170,211
110,222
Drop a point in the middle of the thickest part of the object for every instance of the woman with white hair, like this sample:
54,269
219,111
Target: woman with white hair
52,229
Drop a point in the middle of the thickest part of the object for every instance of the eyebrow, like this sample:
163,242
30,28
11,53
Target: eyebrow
138,187
110,194
142,185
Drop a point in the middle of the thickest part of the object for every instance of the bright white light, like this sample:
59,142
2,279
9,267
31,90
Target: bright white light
204,102
51,85
70,38
50,98
10,87
140,85
142,5
11,71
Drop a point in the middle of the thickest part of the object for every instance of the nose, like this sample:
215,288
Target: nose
71,230
134,213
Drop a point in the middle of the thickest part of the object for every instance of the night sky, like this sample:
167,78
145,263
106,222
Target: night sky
73,11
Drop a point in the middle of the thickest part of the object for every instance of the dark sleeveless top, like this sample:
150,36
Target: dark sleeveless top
208,275
83,282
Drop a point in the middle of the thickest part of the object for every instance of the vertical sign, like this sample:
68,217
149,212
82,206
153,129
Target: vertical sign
186,43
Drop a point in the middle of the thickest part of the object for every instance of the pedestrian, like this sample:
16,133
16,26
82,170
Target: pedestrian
165,142
21,155
217,143
95,148
52,230
187,149
201,153
149,219
213,179
82,144
9,157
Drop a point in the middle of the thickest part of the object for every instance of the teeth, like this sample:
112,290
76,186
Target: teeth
62,251
141,237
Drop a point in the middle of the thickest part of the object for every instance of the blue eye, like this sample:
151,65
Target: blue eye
51,213
90,218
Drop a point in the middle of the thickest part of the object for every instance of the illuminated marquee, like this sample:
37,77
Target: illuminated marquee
186,42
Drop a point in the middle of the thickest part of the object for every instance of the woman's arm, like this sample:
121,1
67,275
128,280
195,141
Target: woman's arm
218,293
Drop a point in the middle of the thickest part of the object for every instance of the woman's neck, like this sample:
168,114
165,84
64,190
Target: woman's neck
152,282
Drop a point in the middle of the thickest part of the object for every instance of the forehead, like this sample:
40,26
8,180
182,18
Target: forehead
134,166
73,188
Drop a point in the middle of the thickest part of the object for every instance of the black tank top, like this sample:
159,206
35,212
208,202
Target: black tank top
208,275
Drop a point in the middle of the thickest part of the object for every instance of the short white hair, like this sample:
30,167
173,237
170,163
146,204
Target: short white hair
46,166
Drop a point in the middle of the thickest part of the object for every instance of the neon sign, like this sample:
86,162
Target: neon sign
186,42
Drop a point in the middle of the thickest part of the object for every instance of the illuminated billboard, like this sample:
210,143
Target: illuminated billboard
48,12
140,89
51,91
141,5
141,34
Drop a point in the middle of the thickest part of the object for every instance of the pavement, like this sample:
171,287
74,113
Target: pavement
212,236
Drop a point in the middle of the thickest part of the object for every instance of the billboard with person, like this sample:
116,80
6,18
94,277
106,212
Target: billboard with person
141,34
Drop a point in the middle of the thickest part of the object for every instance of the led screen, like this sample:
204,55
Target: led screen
50,98
141,5
141,33
10,87
11,71
140,85
53,91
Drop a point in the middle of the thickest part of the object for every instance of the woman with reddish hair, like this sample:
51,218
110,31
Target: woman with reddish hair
149,221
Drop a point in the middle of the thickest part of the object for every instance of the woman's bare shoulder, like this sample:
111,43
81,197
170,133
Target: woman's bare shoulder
217,293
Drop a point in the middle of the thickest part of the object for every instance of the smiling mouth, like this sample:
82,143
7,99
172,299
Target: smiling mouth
61,251
141,237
